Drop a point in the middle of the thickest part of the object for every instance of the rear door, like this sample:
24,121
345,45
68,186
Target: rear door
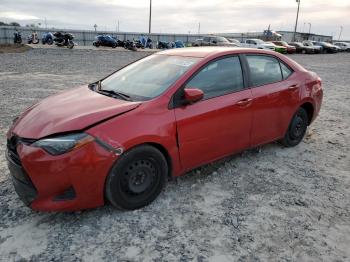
220,123
275,93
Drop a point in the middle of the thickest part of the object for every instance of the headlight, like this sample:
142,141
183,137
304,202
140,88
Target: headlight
63,144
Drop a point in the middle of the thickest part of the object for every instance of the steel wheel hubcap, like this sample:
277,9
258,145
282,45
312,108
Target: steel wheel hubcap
138,177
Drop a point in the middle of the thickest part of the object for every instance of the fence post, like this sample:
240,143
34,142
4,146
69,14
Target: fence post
84,38
5,35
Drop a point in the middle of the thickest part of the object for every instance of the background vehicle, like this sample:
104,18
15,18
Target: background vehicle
216,41
318,49
258,43
279,49
33,38
64,39
17,37
302,49
149,120
343,46
290,49
179,44
105,40
47,38
235,41
327,48
197,42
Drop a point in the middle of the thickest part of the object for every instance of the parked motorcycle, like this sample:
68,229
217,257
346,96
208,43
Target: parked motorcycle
120,43
130,45
165,45
162,45
149,43
17,37
64,39
33,38
139,44
47,38
144,42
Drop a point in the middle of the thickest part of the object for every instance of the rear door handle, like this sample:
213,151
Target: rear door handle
244,102
293,87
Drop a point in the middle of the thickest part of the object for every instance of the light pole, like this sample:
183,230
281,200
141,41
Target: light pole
150,16
296,21
341,31
117,26
304,27
309,28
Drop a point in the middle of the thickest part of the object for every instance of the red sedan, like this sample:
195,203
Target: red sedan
121,138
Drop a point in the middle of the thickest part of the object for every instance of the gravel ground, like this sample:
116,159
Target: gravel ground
266,204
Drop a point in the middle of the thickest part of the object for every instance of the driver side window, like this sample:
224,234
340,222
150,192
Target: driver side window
218,78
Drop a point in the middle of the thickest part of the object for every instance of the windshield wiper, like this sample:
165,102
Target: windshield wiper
114,93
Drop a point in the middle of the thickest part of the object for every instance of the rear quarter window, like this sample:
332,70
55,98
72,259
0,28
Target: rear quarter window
286,70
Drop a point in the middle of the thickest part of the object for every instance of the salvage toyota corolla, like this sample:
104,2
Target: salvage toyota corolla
121,138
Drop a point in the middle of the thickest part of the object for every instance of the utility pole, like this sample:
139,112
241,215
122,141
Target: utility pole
199,28
95,26
45,23
150,16
304,27
341,31
296,21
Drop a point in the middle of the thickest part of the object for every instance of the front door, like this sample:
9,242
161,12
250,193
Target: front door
220,124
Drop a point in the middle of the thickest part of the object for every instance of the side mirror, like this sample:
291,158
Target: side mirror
193,95
215,42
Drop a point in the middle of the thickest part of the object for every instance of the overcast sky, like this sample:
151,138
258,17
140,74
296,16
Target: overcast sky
183,16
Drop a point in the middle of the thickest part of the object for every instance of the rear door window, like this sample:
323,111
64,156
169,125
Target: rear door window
264,70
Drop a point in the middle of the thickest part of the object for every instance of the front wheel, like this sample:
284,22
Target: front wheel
70,44
297,129
137,178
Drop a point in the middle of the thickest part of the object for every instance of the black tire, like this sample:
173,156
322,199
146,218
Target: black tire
297,129
137,178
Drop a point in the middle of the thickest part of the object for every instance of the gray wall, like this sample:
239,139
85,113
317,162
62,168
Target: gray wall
86,37
288,37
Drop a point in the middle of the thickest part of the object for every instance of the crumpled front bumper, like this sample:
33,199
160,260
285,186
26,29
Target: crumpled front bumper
68,182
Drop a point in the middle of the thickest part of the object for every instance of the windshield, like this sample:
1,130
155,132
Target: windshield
258,41
148,77
222,39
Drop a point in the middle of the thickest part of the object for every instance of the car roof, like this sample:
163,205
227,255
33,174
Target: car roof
202,52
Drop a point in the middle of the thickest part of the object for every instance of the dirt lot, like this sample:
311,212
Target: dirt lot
266,204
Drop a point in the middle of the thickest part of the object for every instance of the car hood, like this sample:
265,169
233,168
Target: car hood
268,45
71,110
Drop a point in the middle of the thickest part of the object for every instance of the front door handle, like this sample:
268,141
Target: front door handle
244,102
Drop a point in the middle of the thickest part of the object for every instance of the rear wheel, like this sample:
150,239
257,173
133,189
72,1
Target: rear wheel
137,178
297,129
